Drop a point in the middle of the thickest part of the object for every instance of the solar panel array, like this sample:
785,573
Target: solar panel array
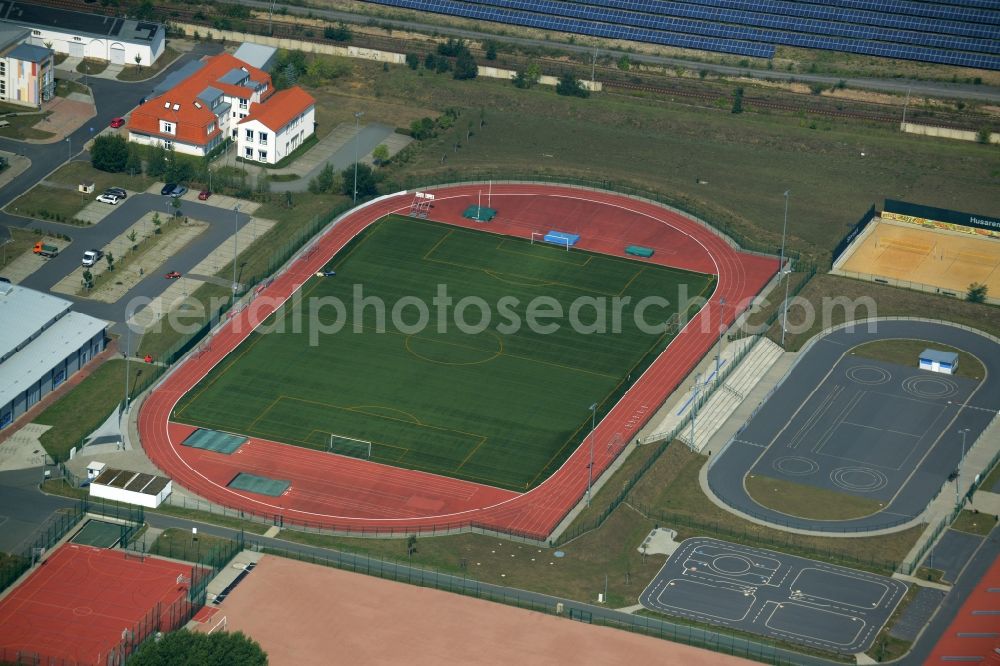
951,32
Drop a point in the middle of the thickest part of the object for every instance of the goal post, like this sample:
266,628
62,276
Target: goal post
349,446
565,242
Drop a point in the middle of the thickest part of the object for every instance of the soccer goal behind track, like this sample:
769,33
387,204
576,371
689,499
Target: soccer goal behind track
349,446
560,238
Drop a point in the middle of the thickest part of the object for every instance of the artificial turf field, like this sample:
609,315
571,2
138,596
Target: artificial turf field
503,407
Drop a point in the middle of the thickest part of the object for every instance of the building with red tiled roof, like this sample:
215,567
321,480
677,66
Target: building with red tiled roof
201,111
275,129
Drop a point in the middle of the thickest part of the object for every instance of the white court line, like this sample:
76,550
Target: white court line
815,638
884,587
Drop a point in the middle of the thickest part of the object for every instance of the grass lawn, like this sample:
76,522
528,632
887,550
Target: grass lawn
933,575
974,523
64,87
90,67
799,499
62,203
131,72
23,126
906,352
886,301
361,385
21,241
82,409
671,494
180,544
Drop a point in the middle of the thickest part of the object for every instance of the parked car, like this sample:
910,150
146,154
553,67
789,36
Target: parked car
3,279
44,250
203,195
178,191
117,191
91,257
172,275
168,188
117,122
108,199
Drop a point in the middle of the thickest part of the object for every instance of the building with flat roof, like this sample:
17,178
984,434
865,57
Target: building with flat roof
119,41
27,72
42,343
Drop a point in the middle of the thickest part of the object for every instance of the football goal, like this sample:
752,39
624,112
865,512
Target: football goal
349,446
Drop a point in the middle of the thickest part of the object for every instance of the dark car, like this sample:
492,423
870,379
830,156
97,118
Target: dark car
117,192
168,188
3,279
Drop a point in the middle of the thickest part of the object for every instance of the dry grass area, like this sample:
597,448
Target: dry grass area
805,501
857,300
905,352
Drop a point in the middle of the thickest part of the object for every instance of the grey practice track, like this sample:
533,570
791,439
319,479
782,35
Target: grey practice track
871,429
776,595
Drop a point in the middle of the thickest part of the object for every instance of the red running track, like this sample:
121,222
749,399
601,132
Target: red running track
355,495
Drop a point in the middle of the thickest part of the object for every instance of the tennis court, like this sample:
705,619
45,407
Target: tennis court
90,605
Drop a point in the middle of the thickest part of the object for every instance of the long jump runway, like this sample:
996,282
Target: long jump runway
775,595
855,425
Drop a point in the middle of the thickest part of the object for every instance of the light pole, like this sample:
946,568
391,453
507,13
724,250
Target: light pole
722,330
590,467
69,149
958,470
128,349
784,273
236,234
357,119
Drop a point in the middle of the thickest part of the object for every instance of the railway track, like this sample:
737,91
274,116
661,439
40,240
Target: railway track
610,77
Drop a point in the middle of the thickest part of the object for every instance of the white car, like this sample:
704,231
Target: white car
91,257
108,199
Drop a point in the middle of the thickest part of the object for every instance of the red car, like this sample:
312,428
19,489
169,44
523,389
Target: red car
117,122
172,275
204,194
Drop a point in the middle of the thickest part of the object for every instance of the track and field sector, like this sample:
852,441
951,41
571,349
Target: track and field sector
350,494
773,594
500,407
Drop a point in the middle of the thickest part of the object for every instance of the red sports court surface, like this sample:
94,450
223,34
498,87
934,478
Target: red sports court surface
344,493
974,634
75,605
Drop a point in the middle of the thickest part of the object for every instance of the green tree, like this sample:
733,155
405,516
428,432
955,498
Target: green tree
624,63
185,647
111,261
422,129
144,11
156,161
88,279
156,223
491,50
412,60
453,48
138,60
133,163
367,184
131,236
465,66
983,135
569,85
338,33
738,101
109,153
323,182
411,545
977,293
430,61
380,154
442,65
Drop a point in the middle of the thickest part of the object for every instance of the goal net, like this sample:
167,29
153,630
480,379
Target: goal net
349,446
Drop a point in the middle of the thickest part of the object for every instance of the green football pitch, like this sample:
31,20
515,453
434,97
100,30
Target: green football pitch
503,406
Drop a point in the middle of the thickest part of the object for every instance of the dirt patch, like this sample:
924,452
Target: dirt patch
289,607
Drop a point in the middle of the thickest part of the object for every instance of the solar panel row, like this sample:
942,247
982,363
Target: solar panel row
722,45
928,9
821,12
724,30
718,22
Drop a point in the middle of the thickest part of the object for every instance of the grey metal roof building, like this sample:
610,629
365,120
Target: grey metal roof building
257,55
42,343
